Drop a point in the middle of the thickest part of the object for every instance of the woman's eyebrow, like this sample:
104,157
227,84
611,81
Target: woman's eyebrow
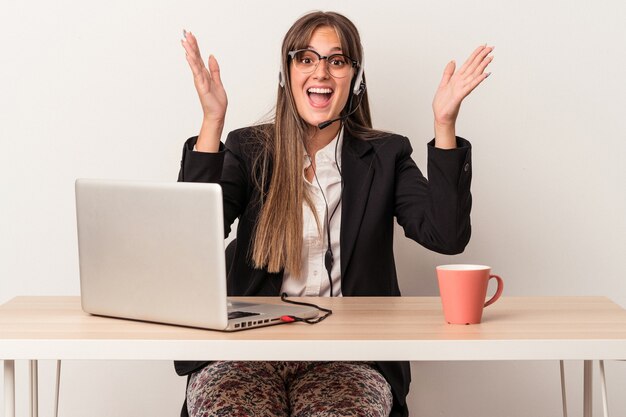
335,48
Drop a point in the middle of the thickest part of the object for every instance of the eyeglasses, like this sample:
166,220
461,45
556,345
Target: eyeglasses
307,60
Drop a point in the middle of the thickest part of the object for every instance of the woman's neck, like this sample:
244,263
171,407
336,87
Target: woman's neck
321,137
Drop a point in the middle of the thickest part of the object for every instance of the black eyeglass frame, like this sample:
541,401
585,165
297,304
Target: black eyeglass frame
292,54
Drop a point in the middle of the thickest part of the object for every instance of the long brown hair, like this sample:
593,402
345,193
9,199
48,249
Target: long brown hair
279,166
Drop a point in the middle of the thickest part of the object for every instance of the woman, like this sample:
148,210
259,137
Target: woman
316,192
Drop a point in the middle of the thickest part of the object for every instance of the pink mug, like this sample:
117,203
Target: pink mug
463,289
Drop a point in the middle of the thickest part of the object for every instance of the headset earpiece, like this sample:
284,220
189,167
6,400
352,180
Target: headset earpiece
281,73
359,83
359,90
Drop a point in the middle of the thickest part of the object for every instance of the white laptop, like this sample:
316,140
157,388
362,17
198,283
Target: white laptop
154,251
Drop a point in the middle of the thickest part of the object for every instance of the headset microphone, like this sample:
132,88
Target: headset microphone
327,123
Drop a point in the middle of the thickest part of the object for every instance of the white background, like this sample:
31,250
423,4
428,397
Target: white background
102,89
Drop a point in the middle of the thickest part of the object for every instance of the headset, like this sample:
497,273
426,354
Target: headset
358,87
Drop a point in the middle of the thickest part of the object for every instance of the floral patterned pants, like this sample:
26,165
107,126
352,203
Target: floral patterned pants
302,389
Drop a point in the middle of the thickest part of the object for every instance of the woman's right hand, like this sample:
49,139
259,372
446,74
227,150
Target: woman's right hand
210,92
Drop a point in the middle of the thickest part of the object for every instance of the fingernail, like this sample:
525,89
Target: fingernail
488,74
184,33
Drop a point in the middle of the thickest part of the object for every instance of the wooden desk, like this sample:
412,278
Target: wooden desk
361,328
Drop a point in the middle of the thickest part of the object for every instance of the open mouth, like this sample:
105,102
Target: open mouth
319,97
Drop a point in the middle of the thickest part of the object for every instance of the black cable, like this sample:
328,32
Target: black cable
328,256
290,319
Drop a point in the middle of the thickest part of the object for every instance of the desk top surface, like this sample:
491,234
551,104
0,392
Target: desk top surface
361,328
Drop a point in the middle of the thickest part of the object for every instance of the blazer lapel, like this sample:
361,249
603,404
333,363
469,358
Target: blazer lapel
357,175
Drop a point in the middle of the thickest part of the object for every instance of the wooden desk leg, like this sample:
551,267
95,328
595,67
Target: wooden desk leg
9,388
588,389
34,384
605,402
563,390
56,389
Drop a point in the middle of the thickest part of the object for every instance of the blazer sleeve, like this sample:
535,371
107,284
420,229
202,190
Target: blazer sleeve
436,212
200,166
226,167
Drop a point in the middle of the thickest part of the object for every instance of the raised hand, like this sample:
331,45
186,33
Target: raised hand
454,87
210,92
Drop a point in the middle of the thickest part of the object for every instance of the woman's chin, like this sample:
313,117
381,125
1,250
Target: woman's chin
320,118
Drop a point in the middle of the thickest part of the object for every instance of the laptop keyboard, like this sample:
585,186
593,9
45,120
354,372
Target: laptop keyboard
240,314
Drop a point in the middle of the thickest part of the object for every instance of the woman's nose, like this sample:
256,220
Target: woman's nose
321,71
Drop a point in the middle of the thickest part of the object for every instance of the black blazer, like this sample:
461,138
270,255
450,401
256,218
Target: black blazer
380,182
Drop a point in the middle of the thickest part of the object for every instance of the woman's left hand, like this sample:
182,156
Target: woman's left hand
454,87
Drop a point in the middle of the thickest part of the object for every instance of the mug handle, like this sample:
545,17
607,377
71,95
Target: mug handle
498,291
